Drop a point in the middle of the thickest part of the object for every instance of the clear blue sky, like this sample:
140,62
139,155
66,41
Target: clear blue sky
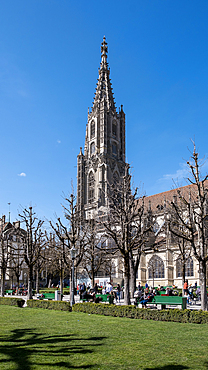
49,59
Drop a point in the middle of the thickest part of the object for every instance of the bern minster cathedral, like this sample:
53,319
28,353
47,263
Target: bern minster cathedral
103,161
104,152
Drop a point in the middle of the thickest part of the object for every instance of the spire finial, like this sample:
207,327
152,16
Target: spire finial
9,210
104,50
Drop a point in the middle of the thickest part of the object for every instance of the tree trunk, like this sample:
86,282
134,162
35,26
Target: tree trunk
203,286
37,281
132,278
17,277
133,271
126,282
12,281
93,277
70,285
61,281
49,281
183,276
3,273
30,279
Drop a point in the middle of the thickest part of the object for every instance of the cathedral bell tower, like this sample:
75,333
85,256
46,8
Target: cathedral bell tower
103,160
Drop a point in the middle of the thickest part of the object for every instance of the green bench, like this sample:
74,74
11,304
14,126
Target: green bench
106,297
10,291
168,301
48,296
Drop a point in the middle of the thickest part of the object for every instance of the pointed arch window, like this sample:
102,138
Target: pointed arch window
189,267
114,128
92,148
114,149
156,268
92,129
91,182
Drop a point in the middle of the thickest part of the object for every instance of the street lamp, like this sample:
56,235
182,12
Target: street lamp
73,256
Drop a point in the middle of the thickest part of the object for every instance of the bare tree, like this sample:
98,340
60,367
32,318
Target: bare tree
54,259
71,235
123,225
143,228
94,251
32,242
182,245
191,221
40,264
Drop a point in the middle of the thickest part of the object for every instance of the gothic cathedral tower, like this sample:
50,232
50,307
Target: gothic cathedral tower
103,160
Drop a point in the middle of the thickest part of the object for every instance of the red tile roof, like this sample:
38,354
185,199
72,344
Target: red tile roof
158,200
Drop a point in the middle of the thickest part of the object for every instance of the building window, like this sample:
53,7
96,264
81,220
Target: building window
189,267
114,129
91,182
114,149
92,129
156,268
92,148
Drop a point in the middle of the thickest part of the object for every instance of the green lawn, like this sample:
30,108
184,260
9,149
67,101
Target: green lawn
43,339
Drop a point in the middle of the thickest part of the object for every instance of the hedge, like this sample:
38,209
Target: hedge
175,315
12,301
50,305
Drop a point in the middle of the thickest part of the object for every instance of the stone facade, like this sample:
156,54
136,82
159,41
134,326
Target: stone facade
14,234
103,160
166,255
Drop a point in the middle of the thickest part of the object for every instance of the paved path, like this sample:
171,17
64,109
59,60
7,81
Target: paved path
196,305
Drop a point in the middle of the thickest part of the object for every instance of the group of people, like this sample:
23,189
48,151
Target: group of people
89,293
145,295
189,291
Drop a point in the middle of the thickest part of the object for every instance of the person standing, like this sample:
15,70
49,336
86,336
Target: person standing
95,289
118,293
109,288
185,287
82,290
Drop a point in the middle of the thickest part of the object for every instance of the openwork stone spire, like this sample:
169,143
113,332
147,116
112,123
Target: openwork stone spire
104,91
103,161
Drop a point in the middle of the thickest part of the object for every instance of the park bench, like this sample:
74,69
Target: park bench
10,291
168,301
105,297
48,296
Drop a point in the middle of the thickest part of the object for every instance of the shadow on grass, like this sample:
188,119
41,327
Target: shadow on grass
168,367
21,344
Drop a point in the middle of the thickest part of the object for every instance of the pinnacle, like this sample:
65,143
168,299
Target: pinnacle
104,85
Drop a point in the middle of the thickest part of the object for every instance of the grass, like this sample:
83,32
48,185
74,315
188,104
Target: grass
44,339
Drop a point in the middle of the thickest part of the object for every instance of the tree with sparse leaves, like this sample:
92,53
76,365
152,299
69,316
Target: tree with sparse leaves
71,235
94,251
124,224
32,242
191,219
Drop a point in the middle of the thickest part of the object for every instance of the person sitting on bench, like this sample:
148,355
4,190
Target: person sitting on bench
148,297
